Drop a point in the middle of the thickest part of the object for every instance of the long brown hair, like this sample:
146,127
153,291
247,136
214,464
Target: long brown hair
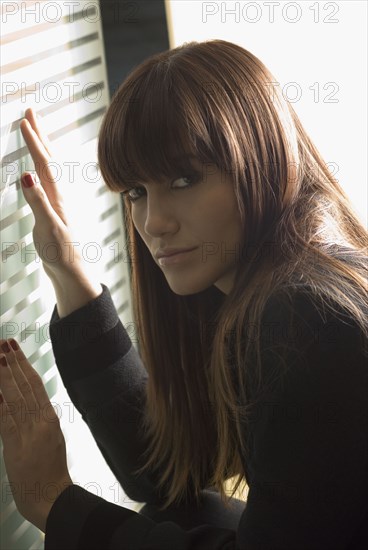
217,100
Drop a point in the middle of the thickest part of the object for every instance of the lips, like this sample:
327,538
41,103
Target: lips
171,252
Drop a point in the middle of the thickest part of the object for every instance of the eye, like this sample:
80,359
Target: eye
129,196
191,179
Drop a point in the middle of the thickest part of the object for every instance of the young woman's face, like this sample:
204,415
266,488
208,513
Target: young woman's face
202,216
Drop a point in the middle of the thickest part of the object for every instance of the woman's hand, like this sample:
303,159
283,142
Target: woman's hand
34,445
51,234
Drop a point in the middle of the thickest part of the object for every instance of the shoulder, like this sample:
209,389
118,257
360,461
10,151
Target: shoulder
308,340
300,315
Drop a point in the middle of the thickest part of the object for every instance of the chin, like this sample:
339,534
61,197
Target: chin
183,289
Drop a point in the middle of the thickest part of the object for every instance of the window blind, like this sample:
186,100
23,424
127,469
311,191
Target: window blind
52,59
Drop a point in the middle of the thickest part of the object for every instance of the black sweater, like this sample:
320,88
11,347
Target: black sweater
307,461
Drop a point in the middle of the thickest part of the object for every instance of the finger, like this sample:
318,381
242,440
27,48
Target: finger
20,377
36,146
8,429
14,417
45,213
39,154
41,160
31,375
37,126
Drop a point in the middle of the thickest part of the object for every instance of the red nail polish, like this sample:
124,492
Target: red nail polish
5,347
3,361
27,180
13,344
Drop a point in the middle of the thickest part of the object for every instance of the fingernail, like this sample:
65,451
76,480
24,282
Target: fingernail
5,347
13,344
3,361
27,180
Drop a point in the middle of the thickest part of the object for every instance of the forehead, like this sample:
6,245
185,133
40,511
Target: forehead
185,158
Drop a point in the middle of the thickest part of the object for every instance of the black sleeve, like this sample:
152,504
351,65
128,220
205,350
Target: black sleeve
105,379
307,460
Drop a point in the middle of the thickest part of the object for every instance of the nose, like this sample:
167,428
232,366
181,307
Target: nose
160,216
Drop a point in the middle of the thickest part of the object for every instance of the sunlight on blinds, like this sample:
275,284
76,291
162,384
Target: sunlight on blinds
53,61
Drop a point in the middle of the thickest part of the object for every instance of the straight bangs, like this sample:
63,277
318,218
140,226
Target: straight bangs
155,122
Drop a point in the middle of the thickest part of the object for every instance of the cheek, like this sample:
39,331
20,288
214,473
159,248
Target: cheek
219,214
138,222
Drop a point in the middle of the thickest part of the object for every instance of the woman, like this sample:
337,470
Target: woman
253,358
